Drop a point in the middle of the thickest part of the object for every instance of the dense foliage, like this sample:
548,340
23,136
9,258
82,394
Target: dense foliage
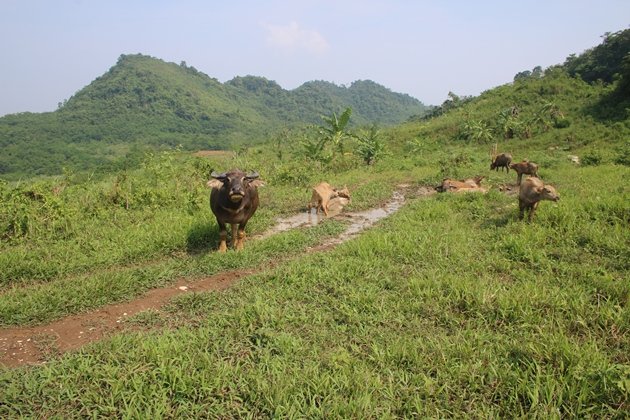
605,62
143,103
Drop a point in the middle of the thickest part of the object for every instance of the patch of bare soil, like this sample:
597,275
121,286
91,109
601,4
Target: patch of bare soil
509,189
34,345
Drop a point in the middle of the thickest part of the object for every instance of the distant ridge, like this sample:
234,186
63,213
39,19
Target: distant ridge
145,102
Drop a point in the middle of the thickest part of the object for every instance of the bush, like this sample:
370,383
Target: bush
623,158
562,123
591,159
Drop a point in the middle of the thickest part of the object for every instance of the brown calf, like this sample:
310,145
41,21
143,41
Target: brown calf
532,192
323,193
466,185
501,161
524,167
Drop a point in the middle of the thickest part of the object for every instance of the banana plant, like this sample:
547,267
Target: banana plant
370,145
335,132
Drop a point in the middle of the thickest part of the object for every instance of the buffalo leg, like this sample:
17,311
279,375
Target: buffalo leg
521,211
241,240
235,239
222,237
532,211
240,236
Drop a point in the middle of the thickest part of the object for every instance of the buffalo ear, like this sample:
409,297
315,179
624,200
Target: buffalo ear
257,183
214,183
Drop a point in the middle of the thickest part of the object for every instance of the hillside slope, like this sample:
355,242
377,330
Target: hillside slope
542,116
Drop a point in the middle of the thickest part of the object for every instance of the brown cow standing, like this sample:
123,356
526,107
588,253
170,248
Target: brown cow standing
501,161
233,200
323,193
524,167
532,192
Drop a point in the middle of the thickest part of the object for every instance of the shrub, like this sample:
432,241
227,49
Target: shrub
591,159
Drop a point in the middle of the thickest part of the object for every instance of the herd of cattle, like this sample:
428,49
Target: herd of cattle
530,192
234,195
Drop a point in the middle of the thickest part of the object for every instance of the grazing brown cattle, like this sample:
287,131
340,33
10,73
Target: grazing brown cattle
233,200
323,193
531,192
501,161
524,167
466,185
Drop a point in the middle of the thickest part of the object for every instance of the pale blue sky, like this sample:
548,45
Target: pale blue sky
51,49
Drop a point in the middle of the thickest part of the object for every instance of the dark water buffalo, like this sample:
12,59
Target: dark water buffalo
501,161
532,192
233,200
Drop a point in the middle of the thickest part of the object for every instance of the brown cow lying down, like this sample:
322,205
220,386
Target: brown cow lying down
233,200
323,193
532,192
465,185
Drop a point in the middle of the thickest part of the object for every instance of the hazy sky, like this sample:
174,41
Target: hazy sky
51,49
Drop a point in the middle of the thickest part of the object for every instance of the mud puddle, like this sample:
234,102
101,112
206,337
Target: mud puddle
34,345
358,220
365,219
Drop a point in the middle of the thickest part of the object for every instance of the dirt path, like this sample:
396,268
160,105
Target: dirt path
33,345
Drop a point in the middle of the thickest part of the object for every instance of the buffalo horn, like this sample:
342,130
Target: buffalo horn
253,175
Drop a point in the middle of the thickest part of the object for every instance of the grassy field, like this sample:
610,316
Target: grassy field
451,307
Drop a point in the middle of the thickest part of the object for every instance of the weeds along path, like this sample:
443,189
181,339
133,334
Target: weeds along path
21,346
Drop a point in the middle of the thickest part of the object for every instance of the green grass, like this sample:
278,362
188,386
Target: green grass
449,308
45,302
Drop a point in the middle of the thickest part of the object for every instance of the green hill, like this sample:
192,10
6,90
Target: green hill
579,107
143,102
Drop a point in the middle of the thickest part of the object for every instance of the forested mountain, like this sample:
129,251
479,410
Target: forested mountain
143,102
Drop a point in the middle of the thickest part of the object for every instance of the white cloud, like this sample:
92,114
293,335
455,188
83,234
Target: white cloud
293,37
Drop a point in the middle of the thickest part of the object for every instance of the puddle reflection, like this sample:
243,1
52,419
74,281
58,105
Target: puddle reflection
358,220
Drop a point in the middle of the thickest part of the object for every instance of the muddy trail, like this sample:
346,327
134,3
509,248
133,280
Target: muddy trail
21,346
